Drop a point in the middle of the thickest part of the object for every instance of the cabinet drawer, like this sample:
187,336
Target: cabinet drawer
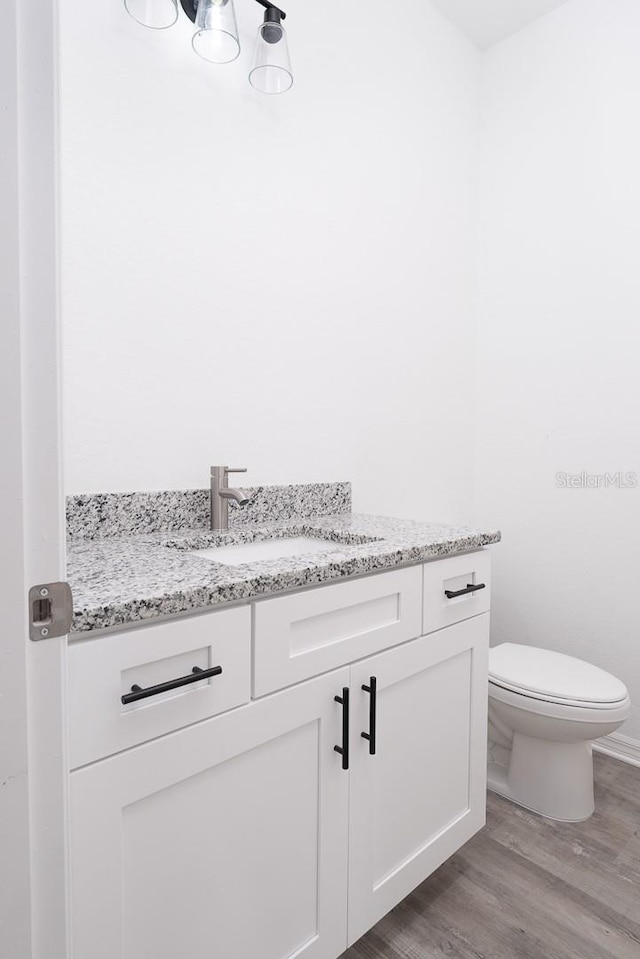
299,636
102,671
461,575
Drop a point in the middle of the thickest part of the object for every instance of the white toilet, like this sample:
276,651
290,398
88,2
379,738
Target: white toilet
545,710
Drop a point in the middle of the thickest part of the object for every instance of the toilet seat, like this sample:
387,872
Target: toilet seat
570,712
554,678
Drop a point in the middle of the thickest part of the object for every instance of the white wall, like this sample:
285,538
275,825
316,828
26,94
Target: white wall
559,336
284,283
287,283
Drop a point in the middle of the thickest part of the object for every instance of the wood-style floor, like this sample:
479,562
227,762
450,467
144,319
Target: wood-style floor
528,888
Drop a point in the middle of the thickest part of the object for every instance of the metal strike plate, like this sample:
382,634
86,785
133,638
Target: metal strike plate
50,611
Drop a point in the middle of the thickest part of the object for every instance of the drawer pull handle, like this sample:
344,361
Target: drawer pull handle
452,593
344,749
372,689
196,676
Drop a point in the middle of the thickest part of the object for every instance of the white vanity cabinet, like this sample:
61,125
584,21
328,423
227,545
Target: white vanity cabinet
285,826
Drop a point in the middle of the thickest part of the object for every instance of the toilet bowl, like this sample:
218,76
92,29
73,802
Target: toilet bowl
545,710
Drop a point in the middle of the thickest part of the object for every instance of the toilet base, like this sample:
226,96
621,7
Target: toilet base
552,779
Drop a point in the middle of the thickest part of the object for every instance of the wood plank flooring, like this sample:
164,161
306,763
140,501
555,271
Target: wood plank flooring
528,888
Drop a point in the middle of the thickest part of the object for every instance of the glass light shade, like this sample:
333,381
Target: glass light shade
156,14
216,36
271,70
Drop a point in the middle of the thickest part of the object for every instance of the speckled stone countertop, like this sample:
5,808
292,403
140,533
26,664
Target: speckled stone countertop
124,580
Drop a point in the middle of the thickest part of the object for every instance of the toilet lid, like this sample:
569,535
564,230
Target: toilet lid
543,674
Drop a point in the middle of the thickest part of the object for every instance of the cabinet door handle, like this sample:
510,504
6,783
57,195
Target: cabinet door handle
452,593
196,676
372,689
344,749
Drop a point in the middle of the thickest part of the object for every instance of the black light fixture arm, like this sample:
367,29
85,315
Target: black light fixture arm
190,8
272,14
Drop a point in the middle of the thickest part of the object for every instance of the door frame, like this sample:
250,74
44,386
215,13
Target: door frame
33,873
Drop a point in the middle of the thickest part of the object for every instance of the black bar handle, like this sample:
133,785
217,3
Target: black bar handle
344,749
196,676
372,689
452,593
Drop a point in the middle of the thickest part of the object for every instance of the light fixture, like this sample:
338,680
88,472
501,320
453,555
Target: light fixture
155,14
216,37
271,69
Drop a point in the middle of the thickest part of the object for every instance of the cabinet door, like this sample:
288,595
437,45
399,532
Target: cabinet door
226,840
423,793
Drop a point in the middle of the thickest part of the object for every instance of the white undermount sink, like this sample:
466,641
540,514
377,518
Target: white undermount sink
265,549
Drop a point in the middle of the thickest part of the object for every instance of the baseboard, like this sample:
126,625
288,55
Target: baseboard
620,747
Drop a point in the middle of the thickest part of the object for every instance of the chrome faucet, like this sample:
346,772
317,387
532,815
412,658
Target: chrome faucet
221,494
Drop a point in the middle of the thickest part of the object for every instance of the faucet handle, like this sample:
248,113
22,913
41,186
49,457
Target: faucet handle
236,469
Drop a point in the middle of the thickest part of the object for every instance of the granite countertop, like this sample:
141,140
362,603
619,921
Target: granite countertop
139,577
